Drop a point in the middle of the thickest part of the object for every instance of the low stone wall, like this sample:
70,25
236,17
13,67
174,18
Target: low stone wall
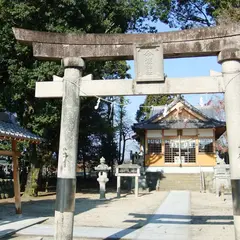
6,188
154,180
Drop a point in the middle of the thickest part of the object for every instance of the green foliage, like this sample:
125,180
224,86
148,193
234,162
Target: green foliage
19,70
122,127
191,13
5,145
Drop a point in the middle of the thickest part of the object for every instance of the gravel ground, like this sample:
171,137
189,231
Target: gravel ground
212,217
90,211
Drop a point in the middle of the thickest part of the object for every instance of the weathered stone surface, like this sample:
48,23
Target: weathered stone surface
67,158
148,62
187,43
73,62
221,178
130,87
229,54
231,77
89,52
127,170
208,47
28,36
102,170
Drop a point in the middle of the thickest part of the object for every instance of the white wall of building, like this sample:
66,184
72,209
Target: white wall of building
205,132
170,132
179,169
154,133
189,132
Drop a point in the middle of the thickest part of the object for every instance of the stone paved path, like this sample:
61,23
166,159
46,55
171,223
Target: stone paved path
170,221
15,224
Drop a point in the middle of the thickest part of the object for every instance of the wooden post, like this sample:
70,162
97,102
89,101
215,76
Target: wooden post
17,193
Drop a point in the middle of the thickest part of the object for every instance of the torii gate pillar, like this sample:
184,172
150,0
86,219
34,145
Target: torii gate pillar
66,177
230,60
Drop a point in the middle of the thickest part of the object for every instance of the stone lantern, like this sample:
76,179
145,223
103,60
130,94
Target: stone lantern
102,170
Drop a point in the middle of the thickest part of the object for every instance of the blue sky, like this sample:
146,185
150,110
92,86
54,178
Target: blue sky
182,67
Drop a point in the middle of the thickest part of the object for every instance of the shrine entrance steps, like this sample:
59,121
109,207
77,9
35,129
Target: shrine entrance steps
180,181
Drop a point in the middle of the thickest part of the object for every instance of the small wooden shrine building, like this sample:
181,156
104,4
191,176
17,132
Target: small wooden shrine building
180,138
11,131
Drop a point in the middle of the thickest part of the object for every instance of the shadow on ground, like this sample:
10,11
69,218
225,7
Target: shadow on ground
40,207
164,219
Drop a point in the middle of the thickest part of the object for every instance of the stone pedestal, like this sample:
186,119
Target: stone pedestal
102,179
221,179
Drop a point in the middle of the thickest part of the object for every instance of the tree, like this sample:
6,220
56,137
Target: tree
19,70
152,100
124,129
191,13
127,134
122,113
218,106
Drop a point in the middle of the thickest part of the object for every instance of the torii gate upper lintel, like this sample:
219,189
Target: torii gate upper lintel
176,44
221,41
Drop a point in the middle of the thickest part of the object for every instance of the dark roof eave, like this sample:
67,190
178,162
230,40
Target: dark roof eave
179,125
15,131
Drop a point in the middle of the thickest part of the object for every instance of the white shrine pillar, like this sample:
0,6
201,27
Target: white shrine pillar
230,60
66,177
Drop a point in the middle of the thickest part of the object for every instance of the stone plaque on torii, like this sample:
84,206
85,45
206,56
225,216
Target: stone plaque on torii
147,51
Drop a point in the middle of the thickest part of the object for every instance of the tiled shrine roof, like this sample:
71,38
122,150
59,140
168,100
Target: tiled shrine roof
9,128
207,112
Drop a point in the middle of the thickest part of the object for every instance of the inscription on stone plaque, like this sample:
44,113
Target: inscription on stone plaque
148,63
128,170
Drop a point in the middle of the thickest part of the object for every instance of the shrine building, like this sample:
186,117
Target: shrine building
11,131
180,138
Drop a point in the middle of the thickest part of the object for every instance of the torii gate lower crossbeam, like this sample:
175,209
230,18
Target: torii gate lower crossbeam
115,87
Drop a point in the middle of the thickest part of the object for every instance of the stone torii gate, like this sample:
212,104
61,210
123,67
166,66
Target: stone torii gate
148,51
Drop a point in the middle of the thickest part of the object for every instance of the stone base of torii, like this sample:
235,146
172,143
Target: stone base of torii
148,50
